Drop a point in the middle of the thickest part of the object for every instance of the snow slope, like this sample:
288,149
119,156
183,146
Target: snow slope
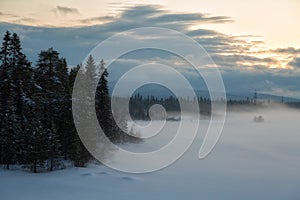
251,161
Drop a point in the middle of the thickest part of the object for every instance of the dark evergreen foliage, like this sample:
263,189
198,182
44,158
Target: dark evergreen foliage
36,126
15,94
102,103
77,151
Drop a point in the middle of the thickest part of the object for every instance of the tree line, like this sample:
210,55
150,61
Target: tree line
139,105
37,130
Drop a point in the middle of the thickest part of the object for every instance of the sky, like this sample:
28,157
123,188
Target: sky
275,20
256,42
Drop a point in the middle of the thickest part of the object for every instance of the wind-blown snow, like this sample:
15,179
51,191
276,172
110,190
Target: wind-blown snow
251,161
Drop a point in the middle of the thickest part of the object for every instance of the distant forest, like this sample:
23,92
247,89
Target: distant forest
139,104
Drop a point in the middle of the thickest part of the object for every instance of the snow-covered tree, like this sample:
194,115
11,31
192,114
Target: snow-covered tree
16,78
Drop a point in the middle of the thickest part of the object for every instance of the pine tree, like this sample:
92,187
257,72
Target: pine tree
64,120
103,105
87,103
49,99
36,138
22,78
88,84
16,78
77,152
4,90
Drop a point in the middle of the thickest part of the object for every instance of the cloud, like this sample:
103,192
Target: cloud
295,63
242,66
94,20
289,50
151,15
203,32
63,10
188,19
4,14
216,43
241,62
26,20
157,16
141,11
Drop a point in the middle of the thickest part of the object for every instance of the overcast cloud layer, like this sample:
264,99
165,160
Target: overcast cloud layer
244,61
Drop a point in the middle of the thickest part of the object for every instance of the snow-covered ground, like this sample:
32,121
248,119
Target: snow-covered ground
251,161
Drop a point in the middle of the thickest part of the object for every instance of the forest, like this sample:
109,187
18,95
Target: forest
37,129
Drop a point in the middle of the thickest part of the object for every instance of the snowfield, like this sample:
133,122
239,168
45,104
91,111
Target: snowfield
250,161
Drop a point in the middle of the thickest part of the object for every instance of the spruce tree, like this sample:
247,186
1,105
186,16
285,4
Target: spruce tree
96,142
88,84
77,151
103,104
10,125
22,79
4,56
35,155
64,120
49,100
16,78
